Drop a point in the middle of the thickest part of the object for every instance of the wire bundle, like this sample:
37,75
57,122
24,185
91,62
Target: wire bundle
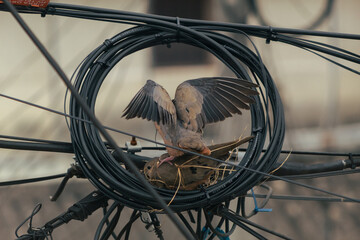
98,164
101,168
116,182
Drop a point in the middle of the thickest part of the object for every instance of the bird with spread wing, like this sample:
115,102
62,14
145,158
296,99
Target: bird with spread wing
197,102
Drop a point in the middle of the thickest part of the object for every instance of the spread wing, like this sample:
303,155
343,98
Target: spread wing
153,103
208,100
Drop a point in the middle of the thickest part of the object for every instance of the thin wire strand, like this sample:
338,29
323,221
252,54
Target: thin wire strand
301,198
31,180
90,114
229,163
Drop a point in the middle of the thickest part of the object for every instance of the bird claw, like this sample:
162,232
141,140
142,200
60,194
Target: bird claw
166,160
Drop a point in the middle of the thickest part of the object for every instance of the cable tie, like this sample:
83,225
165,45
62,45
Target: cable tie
257,209
108,43
103,63
271,35
44,12
157,36
351,158
66,218
206,194
178,28
145,217
166,41
259,129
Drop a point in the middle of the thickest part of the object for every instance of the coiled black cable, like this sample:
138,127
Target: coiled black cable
94,158
116,182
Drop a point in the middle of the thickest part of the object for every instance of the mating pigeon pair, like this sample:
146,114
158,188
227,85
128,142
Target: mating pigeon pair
197,102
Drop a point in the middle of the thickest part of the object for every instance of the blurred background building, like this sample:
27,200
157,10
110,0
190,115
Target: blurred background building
320,99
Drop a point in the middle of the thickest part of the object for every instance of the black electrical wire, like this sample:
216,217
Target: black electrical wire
319,174
91,148
231,46
198,223
140,137
110,225
187,224
104,14
213,229
34,140
36,146
86,110
243,222
287,169
107,221
65,146
31,180
134,216
314,23
296,168
33,233
100,14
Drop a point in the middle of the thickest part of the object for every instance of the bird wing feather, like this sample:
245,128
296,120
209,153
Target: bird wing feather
151,102
208,100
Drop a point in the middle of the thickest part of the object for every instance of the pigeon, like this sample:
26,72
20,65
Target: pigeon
180,121
189,172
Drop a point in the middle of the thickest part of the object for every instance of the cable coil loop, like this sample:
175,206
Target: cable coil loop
100,167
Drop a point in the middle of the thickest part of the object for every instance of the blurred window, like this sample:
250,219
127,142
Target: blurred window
179,54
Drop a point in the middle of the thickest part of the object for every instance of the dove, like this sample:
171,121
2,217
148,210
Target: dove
197,102
189,172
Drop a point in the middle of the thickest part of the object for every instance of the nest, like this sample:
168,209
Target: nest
190,172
